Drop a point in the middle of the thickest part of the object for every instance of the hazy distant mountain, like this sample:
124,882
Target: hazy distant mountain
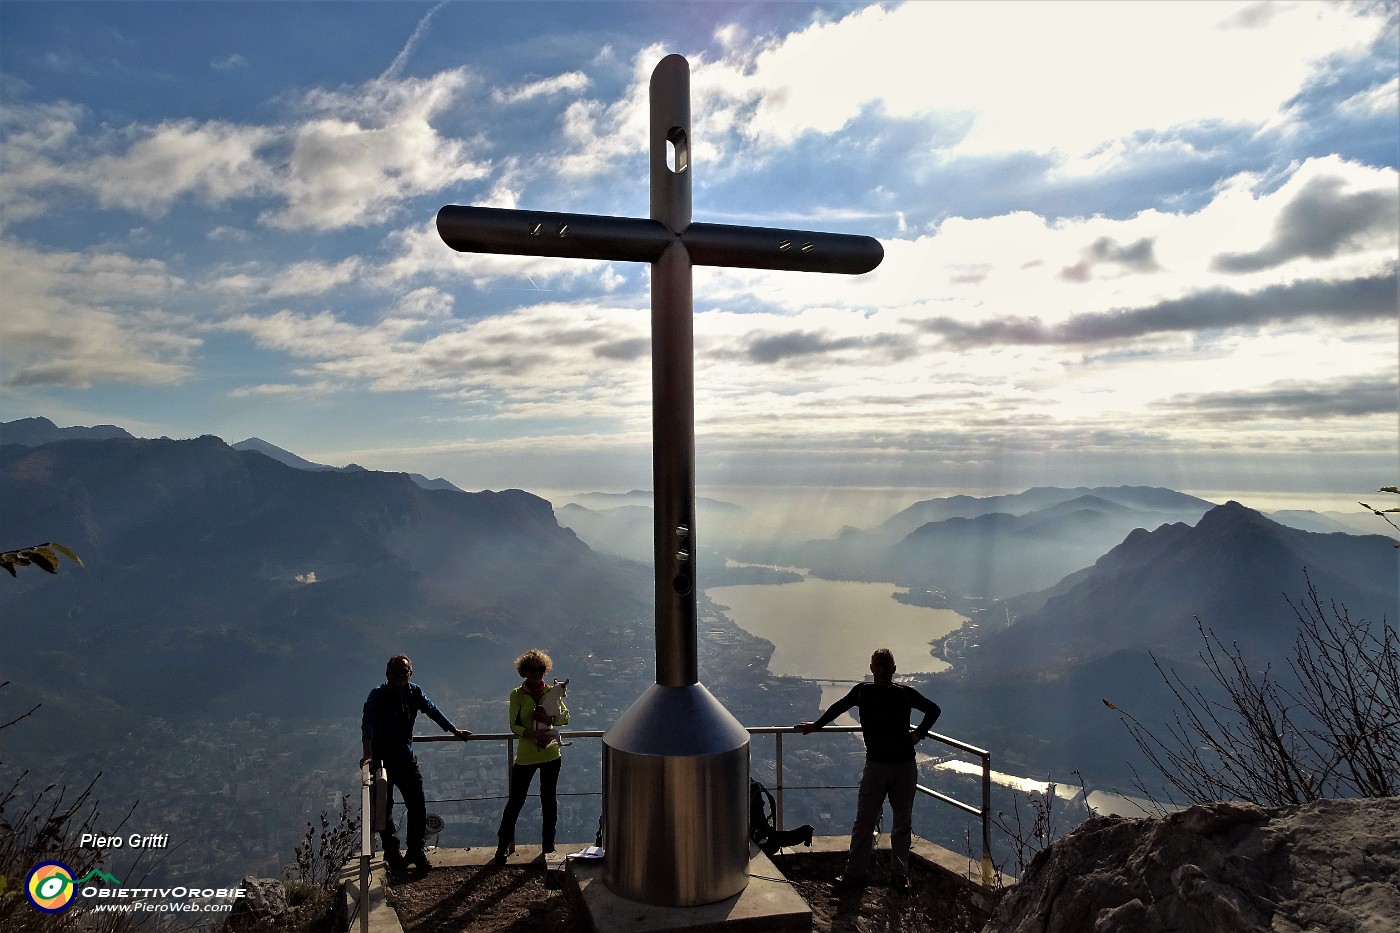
998,554
1141,498
622,524
997,546
292,460
1352,523
1232,570
600,501
624,531
222,581
32,432
281,456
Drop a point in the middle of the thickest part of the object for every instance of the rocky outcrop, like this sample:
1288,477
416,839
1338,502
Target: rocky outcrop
1332,866
263,906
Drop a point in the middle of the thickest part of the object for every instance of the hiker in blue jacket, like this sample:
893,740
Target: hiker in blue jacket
386,729
890,769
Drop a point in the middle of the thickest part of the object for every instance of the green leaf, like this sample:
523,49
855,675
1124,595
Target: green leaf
42,560
65,552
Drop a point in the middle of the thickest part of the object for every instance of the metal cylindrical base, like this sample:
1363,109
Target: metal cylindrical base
676,800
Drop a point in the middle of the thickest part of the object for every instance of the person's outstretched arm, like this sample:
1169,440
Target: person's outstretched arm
832,711
428,707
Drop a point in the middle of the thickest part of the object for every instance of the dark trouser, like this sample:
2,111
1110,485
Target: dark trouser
403,773
898,782
520,778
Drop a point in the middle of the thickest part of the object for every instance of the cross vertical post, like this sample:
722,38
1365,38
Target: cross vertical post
676,762
673,382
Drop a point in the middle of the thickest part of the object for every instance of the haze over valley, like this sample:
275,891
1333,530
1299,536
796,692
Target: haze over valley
211,655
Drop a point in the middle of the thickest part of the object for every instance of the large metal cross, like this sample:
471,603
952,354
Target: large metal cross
673,244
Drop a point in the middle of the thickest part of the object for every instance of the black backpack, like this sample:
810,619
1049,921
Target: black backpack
763,823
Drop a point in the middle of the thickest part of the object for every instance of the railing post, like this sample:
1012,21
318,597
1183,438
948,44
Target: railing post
366,843
778,757
987,819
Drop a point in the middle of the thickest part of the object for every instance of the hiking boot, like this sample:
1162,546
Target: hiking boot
852,882
420,858
900,884
395,861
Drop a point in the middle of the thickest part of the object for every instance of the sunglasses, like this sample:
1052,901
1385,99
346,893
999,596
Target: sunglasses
533,670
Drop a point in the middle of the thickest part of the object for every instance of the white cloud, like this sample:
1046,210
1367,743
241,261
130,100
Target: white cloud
354,158
33,140
1091,83
82,319
226,234
310,277
373,148
543,361
1022,265
229,62
598,134
1380,100
214,161
1042,77
545,87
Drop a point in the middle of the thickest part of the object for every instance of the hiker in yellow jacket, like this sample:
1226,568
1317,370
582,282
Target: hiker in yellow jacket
535,709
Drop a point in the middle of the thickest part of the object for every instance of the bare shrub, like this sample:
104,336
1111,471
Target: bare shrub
1331,729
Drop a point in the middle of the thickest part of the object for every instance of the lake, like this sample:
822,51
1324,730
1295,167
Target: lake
826,629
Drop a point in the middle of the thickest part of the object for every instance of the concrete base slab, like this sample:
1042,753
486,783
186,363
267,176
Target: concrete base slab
769,904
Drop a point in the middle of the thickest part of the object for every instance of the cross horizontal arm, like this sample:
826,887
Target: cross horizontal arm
543,233
626,239
770,248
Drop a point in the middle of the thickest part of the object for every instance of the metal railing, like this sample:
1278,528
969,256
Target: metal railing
510,738
984,811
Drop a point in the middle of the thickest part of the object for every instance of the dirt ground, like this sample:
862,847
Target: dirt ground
936,903
513,899
482,899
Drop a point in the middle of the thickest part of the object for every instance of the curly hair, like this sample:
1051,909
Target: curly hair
532,657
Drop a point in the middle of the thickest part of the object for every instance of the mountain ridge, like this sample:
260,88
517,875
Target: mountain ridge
984,551
1156,583
142,513
32,432
281,455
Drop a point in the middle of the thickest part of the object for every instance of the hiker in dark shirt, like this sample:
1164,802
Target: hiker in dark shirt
386,729
890,769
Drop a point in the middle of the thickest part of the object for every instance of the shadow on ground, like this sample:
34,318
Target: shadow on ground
514,899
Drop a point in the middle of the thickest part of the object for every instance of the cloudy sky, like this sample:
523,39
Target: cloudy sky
1145,243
